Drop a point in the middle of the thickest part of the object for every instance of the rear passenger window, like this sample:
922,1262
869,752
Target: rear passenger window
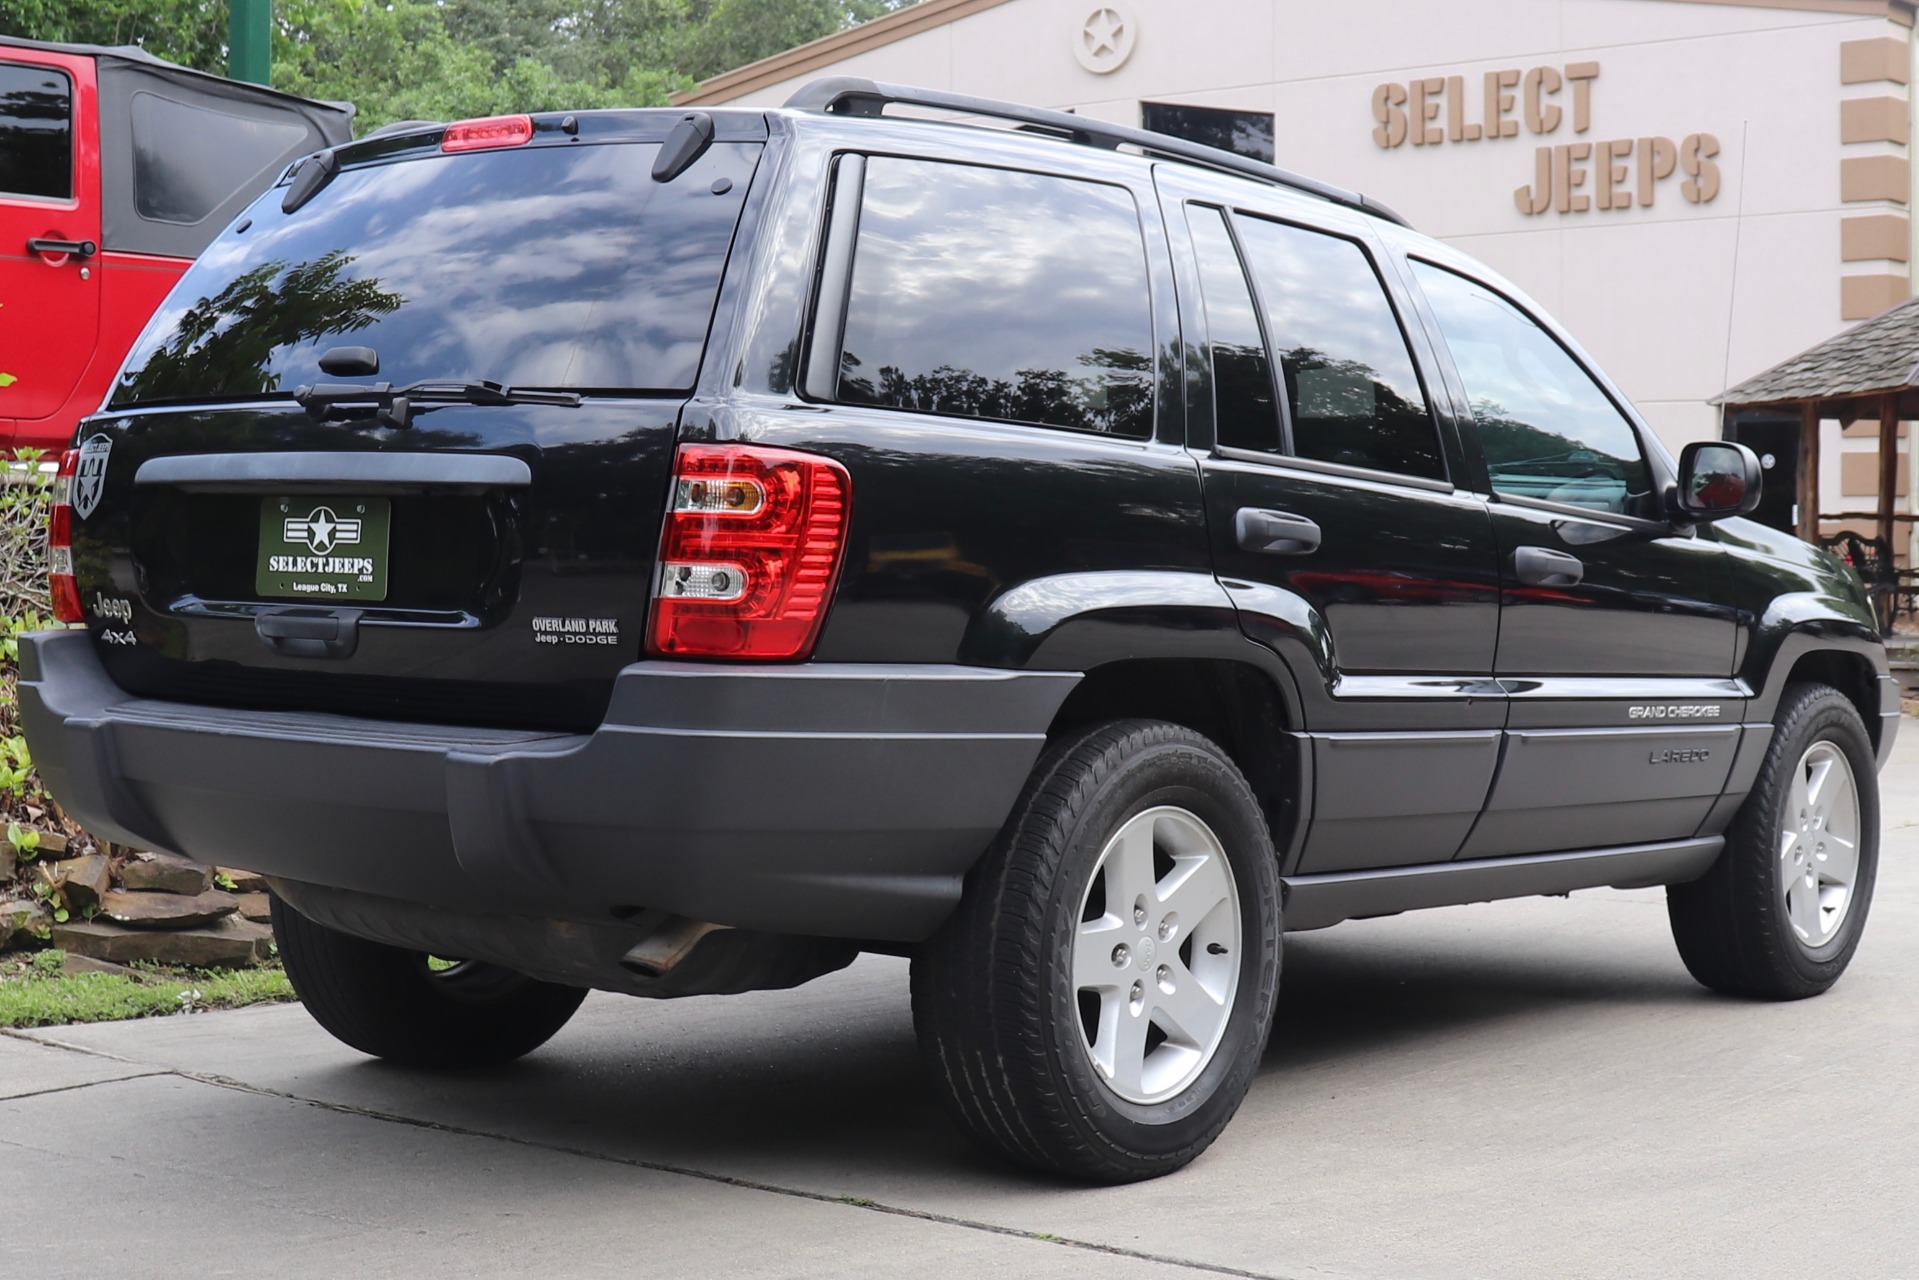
36,132
1547,430
1351,386
176,183
1244,414
986,293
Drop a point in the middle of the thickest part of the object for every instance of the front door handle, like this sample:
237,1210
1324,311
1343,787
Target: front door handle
77,249
1275,533
1538,567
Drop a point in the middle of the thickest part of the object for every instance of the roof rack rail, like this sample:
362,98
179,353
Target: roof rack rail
855,96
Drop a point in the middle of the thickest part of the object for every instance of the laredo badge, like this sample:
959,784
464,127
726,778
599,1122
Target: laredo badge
90,476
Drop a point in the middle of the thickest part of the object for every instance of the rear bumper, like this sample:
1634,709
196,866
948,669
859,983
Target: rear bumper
837,800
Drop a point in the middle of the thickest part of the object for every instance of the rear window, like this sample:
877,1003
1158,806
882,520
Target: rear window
177,182
36,133
542,266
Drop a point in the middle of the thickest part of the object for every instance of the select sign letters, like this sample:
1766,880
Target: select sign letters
1571,177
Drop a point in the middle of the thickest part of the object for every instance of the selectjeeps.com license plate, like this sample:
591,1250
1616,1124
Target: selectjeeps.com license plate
323,548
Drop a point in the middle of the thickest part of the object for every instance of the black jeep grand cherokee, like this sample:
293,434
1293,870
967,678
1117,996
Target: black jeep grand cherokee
672,553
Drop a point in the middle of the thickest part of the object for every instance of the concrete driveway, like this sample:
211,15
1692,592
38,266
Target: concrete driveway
1518,1090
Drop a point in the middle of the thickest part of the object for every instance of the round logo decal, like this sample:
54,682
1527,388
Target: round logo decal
1105,39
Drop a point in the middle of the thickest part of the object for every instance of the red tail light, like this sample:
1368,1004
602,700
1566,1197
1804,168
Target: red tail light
753,543
493,131
60,584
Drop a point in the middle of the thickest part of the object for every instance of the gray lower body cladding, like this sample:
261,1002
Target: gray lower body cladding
832,800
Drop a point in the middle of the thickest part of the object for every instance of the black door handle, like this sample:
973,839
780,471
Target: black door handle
309,632
81,249
1538,567
1275,533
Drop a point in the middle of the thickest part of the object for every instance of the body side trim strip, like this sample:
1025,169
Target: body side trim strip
1316,901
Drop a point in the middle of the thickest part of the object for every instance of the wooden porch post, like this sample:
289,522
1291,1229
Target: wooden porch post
1888,466
1809,471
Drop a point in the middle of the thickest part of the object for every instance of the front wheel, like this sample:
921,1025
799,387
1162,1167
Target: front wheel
1098,1005
408,1007
1780,913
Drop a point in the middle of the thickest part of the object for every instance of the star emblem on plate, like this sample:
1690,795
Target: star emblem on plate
320,527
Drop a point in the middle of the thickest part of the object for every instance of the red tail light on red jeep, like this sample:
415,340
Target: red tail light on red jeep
61,586
493,131
754,538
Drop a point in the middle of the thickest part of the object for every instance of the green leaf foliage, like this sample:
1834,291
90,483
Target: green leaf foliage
453,59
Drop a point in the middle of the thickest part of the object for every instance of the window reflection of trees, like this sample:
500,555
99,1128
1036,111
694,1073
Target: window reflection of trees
1115,395
1524,459
1345,412
228,340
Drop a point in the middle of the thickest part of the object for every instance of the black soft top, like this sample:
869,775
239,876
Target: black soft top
166,190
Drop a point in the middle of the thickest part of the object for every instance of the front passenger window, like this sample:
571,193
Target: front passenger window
1547,430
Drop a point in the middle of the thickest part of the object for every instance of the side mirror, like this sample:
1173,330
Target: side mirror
1717,478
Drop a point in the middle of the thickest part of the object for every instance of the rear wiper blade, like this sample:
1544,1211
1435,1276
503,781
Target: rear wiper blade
394,406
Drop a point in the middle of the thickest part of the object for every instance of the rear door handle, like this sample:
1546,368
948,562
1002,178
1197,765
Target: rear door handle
81,249
1275,533
1538,567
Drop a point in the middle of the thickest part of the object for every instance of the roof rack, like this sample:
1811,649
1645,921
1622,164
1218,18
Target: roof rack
855,96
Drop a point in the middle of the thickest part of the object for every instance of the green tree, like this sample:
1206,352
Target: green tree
448,59
183,31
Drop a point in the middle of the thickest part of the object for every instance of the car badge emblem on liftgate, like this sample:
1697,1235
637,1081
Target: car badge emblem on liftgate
90,476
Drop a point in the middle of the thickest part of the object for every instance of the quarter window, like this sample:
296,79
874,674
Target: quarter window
36,132
1351,386
1546,429
987,293
183,184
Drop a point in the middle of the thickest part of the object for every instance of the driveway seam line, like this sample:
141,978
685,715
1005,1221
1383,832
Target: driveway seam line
86,1084
658,1166
745,1184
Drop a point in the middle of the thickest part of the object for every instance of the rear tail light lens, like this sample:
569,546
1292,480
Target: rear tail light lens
60,583
752,550
493,131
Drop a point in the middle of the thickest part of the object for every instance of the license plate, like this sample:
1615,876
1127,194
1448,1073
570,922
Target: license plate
323,548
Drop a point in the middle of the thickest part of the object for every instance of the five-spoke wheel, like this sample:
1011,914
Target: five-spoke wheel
1780,913
1156,957
1098,1004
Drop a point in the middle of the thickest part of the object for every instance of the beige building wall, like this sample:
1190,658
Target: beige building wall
1797,221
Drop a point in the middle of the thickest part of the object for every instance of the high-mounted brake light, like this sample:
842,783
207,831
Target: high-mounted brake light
752,549
493,131
60,582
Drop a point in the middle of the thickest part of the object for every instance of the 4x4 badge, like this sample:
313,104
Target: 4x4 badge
90,477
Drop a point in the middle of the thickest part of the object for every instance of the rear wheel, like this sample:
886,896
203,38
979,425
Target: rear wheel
410,1007
1780,914
1098,1004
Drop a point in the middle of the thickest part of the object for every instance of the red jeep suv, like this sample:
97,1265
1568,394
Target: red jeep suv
116,169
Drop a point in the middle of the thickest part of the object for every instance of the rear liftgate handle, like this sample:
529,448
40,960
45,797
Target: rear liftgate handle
1538,567
310,633
1275,533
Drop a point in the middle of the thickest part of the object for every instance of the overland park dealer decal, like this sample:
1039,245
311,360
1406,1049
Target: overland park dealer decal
576,631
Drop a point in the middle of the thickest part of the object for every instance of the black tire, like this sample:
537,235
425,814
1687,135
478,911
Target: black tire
994,1002
1732,925
388,1002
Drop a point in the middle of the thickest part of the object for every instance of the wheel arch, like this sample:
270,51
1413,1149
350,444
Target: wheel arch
1236,704
1836,651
